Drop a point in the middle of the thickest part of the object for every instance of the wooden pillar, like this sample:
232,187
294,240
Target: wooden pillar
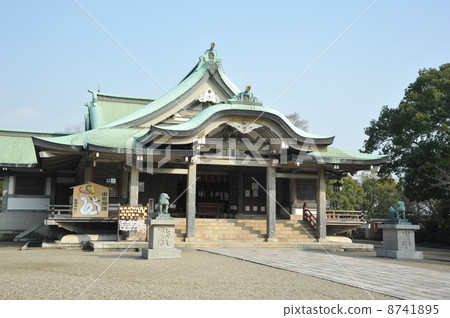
134,186
240,209
271,203
321,232
5,194
88,174
48,186
53,188
292,193
190,202
124,185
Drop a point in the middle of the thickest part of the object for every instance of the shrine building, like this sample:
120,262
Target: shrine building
214,148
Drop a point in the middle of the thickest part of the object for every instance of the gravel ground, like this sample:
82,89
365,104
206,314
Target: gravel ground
67,274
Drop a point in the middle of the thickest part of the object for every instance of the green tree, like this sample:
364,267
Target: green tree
352,196
416,136
380,193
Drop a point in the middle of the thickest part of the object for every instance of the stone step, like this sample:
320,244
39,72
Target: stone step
201,239
283,239
244,230
244,239
220,228
242,221
227,237
228,234
232,231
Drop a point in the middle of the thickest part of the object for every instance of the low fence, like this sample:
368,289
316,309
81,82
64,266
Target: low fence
65,211
344,216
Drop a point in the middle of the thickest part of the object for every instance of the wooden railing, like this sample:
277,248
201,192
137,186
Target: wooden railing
345,215
334,215
60,210
65,211
310,218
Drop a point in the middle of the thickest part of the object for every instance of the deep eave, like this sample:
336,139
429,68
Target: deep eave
337,156
195,125
140,151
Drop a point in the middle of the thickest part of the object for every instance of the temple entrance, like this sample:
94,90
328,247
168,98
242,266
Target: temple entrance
221,191
254,195
213,194
227,192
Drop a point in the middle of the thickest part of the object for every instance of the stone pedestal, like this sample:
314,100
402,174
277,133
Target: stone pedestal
161,239
399,242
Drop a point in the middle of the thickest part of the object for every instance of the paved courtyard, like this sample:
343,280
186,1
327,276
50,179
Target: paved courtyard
407,280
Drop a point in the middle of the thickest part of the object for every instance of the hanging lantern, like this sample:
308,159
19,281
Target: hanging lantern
111,181
337,186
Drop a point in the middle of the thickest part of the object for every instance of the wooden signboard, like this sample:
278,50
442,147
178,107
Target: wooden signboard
90,200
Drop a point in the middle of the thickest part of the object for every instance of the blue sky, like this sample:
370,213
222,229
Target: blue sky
52,51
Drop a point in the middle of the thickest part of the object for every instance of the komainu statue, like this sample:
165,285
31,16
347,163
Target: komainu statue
398,214
162,208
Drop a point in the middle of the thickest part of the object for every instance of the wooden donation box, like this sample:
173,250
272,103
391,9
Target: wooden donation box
90,200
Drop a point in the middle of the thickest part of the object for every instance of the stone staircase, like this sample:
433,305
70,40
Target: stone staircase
244,230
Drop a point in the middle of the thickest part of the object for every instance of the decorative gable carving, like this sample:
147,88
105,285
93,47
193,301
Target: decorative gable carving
244,128
209,96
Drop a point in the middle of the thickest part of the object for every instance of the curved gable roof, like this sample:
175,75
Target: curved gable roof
206,68
208,115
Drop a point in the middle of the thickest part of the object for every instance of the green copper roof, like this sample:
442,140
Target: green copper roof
199,75
340,156
16,146
17,151
106,108
209,112
16,132
108,137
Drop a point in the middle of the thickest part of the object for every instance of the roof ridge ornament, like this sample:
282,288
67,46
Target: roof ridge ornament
245,98
210,60
93,102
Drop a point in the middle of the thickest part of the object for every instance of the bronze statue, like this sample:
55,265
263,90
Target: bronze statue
162,207
398,214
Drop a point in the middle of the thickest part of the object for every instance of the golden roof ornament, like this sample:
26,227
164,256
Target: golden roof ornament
245,98
210,60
